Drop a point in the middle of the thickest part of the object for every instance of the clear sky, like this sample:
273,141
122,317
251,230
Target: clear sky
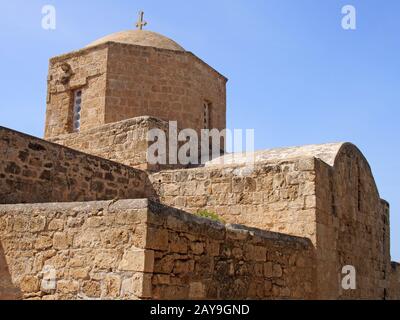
296,76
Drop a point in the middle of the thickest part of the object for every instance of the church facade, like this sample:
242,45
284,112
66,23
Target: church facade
84,215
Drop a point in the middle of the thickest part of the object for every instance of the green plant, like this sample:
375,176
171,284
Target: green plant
209,215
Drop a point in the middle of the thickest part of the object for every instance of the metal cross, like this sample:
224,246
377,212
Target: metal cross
141,23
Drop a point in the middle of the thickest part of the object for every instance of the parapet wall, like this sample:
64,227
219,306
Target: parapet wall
334,202
36,171
135,249
276,196
72,250
124,142
196,258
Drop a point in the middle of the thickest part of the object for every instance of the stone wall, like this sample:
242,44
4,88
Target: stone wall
133,249
170,85
121,81
36,171
334,203
124,142
275,196
196,258
352,228
88,72
72,251
394,290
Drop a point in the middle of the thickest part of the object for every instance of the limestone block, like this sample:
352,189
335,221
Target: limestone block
61,241
37,224
112,286
30,284
56,225
80,273
165,264
277,271
178,244
43,242
268,271
140,286
105,259
306,164
157,239
91,289
213,248
67,286
182,267
255,253
197,290
137,260
197,248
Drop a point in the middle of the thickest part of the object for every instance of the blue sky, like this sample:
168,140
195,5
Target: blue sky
296,76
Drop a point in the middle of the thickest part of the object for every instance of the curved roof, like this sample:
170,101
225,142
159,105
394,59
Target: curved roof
326,152
140,38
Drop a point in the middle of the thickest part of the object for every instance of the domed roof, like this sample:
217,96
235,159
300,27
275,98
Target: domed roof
140,38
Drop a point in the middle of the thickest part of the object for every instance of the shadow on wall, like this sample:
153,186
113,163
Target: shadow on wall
7,289
36,171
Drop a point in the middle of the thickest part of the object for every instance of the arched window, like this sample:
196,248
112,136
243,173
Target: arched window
76,121
206,115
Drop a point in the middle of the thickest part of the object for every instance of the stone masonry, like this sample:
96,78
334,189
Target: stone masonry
84,215
33,170
135,249
122,81
124,142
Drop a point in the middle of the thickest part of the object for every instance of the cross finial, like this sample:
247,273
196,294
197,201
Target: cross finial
141,23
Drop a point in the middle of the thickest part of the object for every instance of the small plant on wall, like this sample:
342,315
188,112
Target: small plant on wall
210,215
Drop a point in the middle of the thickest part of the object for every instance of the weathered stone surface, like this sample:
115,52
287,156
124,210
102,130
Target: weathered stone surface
72,175
111,93
138,260
306,192
30,284
180,264
310,210
197,291
139,285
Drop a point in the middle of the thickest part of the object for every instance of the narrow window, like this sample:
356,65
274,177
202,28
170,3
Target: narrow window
206,116
77,110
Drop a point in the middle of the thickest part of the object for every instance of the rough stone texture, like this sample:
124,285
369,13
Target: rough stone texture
36,171
278,196
89,245
134,249
124,142
304,196
122,81
394,291
352,227
337,207
318,205
89,73
196,258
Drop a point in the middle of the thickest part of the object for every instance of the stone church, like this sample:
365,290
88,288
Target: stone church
84,215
